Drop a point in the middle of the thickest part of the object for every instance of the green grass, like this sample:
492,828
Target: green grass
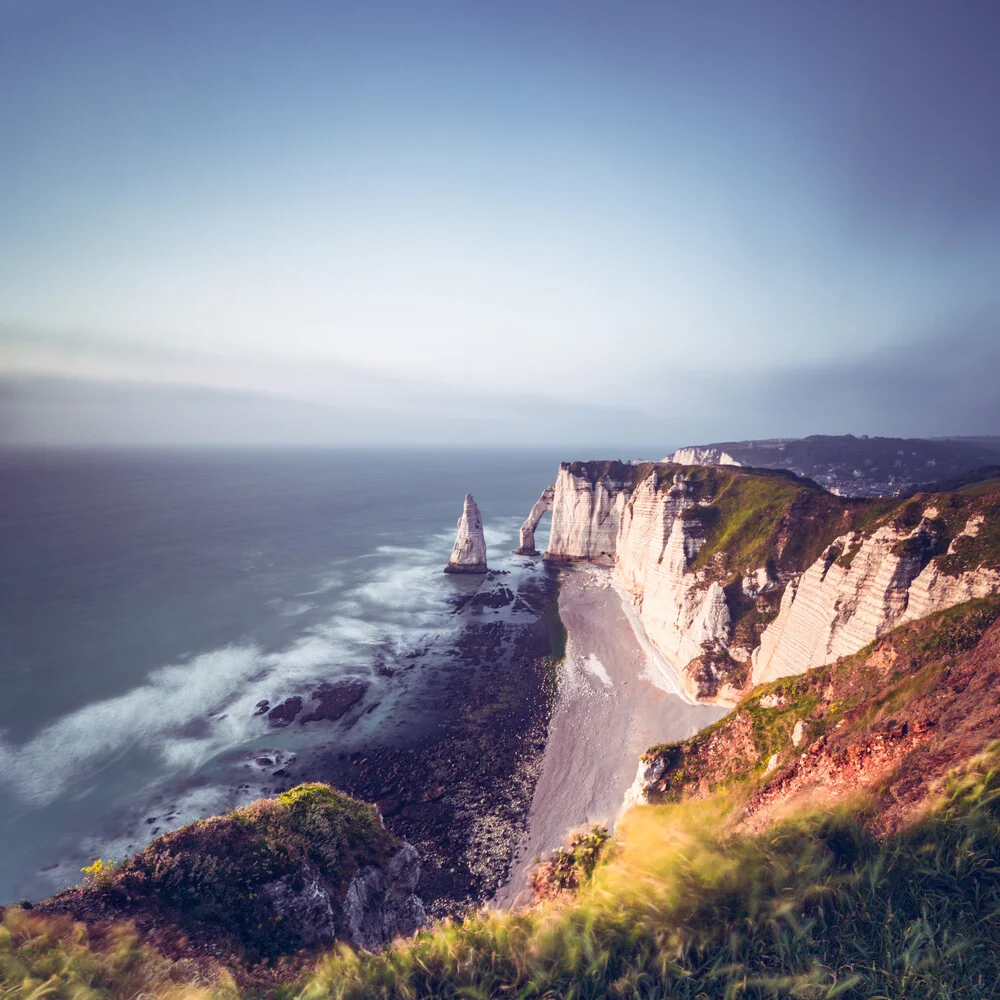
49,957
743,520
815,907
207,876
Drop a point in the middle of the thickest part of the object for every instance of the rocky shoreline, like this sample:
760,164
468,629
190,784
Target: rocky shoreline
460,784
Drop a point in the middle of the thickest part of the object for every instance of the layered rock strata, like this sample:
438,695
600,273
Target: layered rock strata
832,610
720,624
468,554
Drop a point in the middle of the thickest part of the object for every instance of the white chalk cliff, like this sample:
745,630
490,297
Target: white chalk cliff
861,586
832,611
586,516
701,456
468,554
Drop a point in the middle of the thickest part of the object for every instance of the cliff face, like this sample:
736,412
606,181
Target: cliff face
742,577
587,504
702,456
889,721
833,610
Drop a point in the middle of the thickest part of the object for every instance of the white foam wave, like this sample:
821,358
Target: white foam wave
186,713
65,752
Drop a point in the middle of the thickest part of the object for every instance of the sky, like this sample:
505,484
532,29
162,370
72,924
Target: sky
575,223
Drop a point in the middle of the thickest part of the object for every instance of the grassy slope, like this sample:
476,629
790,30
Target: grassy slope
895,691
814,907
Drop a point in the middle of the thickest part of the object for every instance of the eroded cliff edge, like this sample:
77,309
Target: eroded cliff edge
741,576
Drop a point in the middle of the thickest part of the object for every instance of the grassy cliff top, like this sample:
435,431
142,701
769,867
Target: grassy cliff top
813,907
756,517
206,877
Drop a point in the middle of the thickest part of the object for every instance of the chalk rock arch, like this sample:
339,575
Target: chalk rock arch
542,505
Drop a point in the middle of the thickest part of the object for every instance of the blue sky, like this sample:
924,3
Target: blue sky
607,222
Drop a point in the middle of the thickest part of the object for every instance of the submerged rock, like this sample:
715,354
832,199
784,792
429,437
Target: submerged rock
468,555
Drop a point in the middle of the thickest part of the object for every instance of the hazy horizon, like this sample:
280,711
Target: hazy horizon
564,225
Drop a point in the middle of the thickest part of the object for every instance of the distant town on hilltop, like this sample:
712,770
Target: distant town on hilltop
864,466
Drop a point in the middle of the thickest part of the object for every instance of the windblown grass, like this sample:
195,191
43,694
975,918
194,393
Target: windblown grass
814,908
53,957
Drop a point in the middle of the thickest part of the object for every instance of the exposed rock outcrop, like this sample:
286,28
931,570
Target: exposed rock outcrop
380,905
701,456
542,505
792,577
468,554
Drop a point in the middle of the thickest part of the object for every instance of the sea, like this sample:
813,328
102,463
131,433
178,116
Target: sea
150,603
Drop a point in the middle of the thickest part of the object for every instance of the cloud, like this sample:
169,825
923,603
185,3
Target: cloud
61,412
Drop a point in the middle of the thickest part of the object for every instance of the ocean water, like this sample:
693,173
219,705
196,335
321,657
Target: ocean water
149,602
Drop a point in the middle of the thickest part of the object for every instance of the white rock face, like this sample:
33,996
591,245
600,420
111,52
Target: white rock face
585,518
830,611
649,772
468,555
827,611
542,505
701,456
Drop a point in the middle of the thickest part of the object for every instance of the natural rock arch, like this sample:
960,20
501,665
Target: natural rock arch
542,505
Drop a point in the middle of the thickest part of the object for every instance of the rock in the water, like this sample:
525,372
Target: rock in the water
468,555
334,700
282,714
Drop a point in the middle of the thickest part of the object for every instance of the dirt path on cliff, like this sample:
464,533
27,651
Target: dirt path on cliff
607,713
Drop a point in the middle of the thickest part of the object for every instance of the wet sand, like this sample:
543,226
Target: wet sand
615,699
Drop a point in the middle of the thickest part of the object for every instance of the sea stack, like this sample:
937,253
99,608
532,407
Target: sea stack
469,552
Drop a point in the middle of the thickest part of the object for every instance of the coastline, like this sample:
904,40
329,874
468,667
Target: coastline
616,697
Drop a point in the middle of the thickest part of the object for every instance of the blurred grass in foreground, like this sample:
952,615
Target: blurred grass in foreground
815,907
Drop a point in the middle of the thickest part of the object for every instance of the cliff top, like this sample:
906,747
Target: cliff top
208,879
752,517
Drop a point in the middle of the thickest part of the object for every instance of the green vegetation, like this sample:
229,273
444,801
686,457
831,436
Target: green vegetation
983,549
207,877
52,957
571,866
815,907
763,723
558,637
743,519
